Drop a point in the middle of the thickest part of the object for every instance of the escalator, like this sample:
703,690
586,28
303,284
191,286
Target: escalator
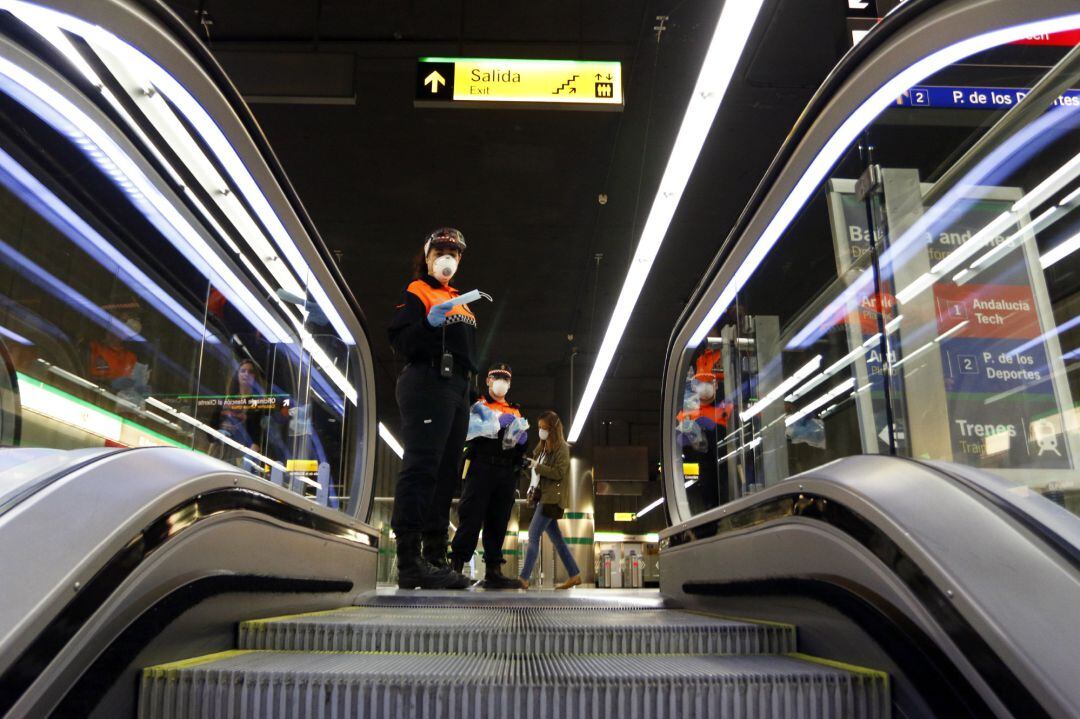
433,654
834,554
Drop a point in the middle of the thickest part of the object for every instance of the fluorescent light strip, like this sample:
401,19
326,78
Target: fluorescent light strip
803,372
162,117
745,448
176,135
846,134
944,335
61,114
829,372
63,218
391,441
1060,251
183,416
1039,224
730,37
1060,329
649,507
66,294
14,336
821,401
1058,179
161,80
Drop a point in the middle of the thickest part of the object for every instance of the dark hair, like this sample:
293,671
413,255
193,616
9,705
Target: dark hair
556,438
419,266
234,380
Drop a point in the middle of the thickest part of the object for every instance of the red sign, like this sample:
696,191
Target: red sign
1068,38
990,311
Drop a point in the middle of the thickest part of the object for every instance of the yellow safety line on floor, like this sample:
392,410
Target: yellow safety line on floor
160,669
713,615
321,612
853,668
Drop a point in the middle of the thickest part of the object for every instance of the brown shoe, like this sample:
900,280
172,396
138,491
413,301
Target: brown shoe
524,582
571,582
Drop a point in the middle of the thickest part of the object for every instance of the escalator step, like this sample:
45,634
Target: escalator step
515,630
301,684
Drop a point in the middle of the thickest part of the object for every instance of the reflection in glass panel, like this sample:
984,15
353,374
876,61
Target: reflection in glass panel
923,303
118,329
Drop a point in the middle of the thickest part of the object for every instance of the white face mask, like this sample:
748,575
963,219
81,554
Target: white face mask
499,388
134,325
543,434
706,391
445,266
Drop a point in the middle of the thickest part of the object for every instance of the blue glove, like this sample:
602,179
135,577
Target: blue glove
506,419
436,316
523,438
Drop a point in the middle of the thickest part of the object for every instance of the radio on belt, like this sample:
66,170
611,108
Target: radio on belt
446,364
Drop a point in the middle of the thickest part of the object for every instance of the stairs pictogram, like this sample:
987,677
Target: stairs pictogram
560,88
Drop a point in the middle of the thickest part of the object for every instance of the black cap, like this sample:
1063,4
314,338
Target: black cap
500,369
445,237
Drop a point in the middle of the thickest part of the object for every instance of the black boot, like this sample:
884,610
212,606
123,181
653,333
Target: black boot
435,547
457,565
415,572
494,579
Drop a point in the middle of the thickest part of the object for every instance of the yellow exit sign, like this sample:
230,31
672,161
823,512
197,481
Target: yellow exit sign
480,82
625,516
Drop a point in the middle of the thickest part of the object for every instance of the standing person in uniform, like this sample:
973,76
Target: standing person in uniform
490,484
438,341
551,476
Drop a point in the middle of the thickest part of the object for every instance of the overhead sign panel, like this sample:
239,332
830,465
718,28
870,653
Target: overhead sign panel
489,82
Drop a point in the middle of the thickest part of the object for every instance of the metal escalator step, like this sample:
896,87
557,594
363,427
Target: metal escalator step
326,684
515,630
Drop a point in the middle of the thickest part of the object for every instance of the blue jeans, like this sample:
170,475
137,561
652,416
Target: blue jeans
537,527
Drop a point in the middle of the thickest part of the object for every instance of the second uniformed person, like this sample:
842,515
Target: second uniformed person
490,485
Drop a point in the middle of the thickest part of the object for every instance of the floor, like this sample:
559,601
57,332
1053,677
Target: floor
586,594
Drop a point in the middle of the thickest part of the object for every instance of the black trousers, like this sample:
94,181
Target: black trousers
487,501
434,422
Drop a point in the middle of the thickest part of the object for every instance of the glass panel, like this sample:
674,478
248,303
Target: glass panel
113,334
923,303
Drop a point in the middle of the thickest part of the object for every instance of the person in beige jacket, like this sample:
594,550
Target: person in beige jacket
550,464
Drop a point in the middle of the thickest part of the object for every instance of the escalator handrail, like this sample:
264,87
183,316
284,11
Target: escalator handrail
155,534
30,489
982,486
788,500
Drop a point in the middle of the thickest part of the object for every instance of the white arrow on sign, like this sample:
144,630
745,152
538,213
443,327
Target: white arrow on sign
434,79
898,433
857,4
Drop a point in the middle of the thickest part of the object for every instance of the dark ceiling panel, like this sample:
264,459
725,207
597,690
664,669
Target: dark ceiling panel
522,185
523,21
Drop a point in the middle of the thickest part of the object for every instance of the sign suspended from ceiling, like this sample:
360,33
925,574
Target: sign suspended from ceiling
547,84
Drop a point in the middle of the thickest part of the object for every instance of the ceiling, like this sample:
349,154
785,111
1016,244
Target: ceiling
331,83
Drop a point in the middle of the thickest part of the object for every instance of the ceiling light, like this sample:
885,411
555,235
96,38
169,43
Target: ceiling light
649,507
730,37
152,75
821,401
777,392
392,442
1060,251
